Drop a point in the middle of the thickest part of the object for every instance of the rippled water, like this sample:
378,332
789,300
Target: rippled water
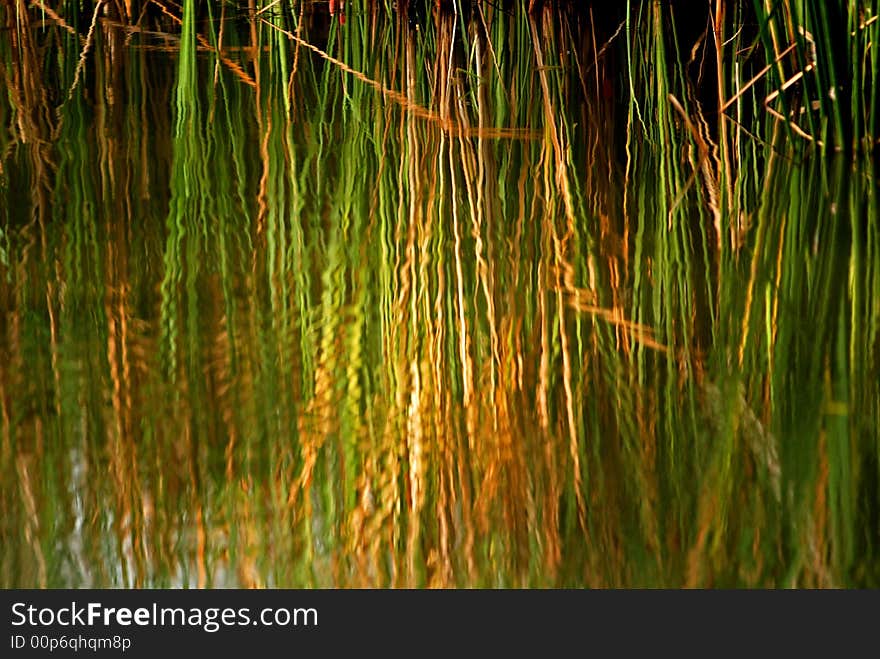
421,307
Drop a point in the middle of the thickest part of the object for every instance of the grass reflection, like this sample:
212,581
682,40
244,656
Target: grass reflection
311,303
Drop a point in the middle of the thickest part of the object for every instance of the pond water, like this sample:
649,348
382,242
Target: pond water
380,303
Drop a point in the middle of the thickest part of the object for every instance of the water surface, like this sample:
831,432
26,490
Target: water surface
431,305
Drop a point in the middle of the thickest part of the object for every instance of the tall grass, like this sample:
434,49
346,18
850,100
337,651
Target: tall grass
497,300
